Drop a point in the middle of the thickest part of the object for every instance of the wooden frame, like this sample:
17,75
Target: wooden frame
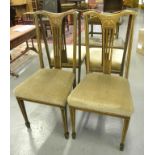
108,22
56,21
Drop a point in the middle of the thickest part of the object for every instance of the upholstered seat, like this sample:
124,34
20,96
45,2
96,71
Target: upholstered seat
69,52
97,42
96,59
83,6
103,93
54,92
67,6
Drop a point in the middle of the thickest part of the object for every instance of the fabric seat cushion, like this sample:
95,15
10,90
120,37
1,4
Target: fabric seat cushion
49,86
70,55
103,93
96,59
97,42
67,6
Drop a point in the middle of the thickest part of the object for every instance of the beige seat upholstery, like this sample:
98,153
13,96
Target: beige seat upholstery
104,93
67,6
96,59
54,92
49,86
69,51
97,42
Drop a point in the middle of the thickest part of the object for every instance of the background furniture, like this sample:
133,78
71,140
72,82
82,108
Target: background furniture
131,3
112,5
78,2
108,6
140,46
48,5
92,4
66,5
18,35
49,86
104,93
12,16
20,8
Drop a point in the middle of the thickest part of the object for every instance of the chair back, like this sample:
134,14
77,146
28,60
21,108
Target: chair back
108,26
57,24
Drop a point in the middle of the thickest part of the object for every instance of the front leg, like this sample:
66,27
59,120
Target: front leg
72,114
22,108
64,118
124,132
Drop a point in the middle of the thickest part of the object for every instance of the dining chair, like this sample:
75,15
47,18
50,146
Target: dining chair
49,86
104,93
108,6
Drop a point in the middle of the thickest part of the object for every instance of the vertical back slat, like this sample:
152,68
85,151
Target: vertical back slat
38,35
42,26
87,43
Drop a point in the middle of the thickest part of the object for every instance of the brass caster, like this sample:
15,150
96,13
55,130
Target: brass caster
67,135
27,124
121,147
73,135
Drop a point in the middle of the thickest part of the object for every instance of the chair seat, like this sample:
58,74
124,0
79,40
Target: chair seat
46,86
70,55
104,94
97,42
83,6
67,6
96,59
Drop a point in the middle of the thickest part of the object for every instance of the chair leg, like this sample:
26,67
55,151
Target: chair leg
91,30
74,84
72,114
124,132
86,65
79,73
117,30
67,23
23,110
64,118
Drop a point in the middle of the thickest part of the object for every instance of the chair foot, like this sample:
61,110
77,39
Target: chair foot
27,124
66,135
73,135
121,147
